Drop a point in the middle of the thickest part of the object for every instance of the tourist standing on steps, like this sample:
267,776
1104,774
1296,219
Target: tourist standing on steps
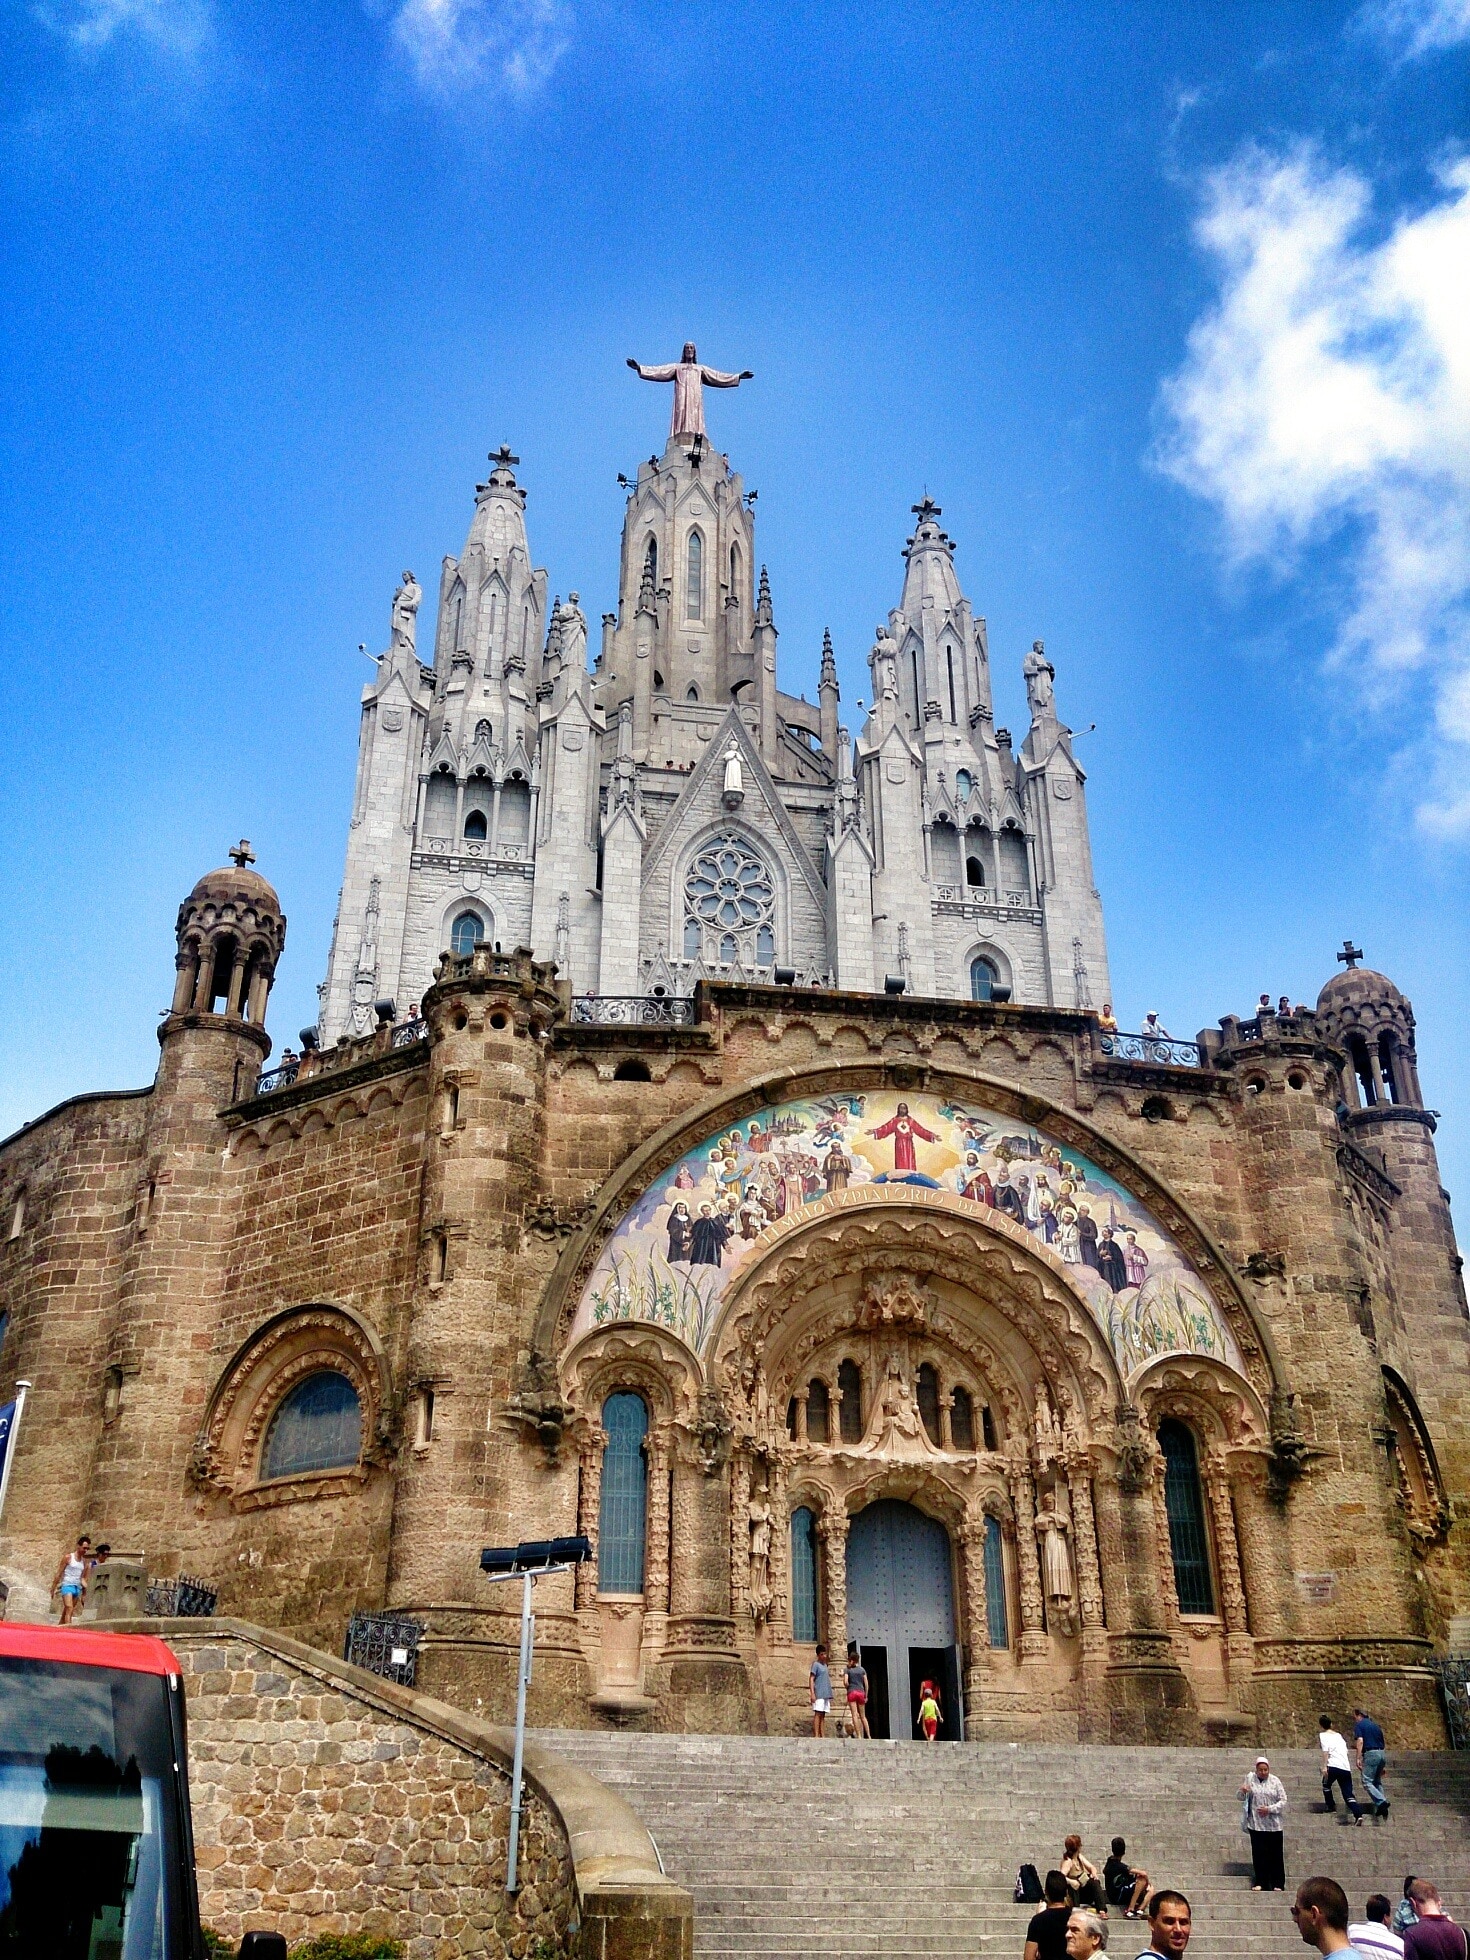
70,1583
1087,1933
1372,1934
857,1692
1434,1935
1336,1769
1372,1748
1046,1936
1321,1915
1265,1819
1170,1924
820,1679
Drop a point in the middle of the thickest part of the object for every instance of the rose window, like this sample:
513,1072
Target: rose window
729,906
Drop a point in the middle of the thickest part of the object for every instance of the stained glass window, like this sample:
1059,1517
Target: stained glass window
694,585
622,1524
468,927
995,1585
317,1427
982,979
1188,1539
803,1575
729,905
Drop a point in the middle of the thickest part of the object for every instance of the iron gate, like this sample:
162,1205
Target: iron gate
385,1644
1454,1681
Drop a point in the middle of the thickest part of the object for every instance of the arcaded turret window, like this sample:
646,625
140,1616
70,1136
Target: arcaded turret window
1189,1541
927,1397
694,578
317,1427
995,1585
850,1402
622,1525
962,1420
468,927
803,1575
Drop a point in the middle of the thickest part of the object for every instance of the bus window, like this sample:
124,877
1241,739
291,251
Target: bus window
93,1854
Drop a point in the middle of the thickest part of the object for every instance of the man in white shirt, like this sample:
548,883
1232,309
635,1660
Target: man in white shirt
1337,1768
1372,1934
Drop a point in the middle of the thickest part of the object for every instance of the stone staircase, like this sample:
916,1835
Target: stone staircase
826,1850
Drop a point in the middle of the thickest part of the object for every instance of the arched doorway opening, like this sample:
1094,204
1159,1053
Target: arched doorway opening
900,1611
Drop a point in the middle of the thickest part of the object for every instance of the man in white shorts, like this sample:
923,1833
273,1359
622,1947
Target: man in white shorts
821,1687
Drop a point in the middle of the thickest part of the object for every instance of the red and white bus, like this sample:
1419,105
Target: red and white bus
96,1847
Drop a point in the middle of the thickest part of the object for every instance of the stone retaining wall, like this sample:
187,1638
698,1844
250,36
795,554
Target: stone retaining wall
327,1800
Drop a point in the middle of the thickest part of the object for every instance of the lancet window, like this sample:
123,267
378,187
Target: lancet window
694,577
818,1413
983,977
803,1575
850,1405
468,927
1189,1542
995,1585
622,1525
729,906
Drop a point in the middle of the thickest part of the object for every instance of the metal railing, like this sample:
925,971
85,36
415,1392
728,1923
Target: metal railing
404,1036
1158,1049
386,1644
181,1599
407,1032
277,1078
633,1010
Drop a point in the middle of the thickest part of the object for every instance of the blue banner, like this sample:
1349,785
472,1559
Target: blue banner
7,1423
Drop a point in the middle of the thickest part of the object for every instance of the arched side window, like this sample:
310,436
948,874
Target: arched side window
650,562
997,1618
1357,1049
468,928
927,1396
963,784
694,577
974,872
622,1523
483,733
850,1402
475,826
949,670
1386,1069
818,1413
791,1418
803,1575
457,613
962,1420
317,1427
1189,1542
983,977
735,571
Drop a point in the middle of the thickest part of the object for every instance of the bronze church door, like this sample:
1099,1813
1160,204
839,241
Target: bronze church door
900,1610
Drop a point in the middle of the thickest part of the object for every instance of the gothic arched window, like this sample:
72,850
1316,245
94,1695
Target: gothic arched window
650,562
983,977
317,1427
1189,1542
1386,1045
729,905
621,1523
468,927
818,1413
995,1585
850,1402
475,826
975,872
694,577
803,1575
962,1420
963,783
927,1397
734,571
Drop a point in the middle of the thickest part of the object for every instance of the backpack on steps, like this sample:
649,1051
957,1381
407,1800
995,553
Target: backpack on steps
1028,1887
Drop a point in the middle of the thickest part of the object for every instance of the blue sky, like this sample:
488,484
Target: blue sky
1164,304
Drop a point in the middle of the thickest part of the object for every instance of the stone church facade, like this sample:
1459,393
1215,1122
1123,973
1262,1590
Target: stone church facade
1122,1385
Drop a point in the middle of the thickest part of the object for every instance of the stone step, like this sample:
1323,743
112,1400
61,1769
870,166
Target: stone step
897,1849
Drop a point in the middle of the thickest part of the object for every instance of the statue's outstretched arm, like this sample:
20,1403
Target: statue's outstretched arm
653,373
712,378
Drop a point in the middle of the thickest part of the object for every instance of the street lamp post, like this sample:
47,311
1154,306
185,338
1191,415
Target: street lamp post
533,1559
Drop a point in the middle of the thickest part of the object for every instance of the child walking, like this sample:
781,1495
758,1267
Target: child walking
929,1713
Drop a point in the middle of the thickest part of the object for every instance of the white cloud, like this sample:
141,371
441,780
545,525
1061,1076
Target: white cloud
1417,27
175,27
1325,397
455,45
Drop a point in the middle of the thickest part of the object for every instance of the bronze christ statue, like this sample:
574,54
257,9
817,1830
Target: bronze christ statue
690,381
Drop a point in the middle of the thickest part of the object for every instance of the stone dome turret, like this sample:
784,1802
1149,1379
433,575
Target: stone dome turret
1364,1013
231,933
1358,988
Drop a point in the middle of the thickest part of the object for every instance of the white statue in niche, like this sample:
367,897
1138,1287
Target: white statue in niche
885,662
1048,1432
1039,674
734,777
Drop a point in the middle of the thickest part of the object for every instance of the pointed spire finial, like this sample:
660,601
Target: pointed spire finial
242,853
828,677
763,613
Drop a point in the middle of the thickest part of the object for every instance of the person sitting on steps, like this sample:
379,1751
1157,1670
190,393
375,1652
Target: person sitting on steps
1082,1876
1124,1885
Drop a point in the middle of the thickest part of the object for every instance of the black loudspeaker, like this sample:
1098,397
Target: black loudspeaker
263,1946
785,976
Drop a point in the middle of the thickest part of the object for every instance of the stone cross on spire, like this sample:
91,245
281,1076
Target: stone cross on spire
690,381
242,853
1350,954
